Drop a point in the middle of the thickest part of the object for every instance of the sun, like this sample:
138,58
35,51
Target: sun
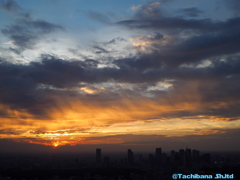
55,144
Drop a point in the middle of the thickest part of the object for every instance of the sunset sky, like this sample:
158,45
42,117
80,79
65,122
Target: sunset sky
130,74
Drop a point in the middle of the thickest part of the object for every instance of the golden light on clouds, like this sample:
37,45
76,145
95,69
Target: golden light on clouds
89,90
91,120
150,43
9,42
73,123
137,7
149,10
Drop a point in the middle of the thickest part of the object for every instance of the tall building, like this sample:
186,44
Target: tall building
158,153
130,156
206,157
106,161
98,156
164,159
196,155
188,156
182,157
172,157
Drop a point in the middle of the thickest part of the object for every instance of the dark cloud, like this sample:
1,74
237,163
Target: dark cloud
175,23
13,7
210,39
9,5
37,86
100,49
61,73
116,40
234,5
191,12
16,51
149,11
170,23
44,26
21,37
26,33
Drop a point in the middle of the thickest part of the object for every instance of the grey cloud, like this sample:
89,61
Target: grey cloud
115,40
169,24
21,38
16,51
149,11
9,5
44,26
204,46
204,39
178,24
52,68
26,33
100,49
217,84
210,40
191,12
234,5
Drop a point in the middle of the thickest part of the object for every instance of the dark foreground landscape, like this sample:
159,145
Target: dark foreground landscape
120,166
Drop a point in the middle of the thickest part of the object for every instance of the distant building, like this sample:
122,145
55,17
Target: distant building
172,156
151,158
106,161
158,155
188,156
130,156
195,155
164,159
182,157
206,157
98,156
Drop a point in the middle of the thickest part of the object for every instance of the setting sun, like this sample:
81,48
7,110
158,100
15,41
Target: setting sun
55,144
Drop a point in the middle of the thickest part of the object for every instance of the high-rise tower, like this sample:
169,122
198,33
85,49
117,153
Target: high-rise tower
98,156
130,156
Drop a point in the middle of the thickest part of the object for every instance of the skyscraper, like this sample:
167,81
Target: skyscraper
172,157
182,157
196,155
158,153
188,156
130,156
98,156
206,157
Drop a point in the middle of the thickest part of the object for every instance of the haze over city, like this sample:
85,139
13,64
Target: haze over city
78,75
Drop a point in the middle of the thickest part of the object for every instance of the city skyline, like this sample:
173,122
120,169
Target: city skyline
76,75
127,165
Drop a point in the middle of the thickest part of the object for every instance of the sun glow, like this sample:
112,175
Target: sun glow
55,144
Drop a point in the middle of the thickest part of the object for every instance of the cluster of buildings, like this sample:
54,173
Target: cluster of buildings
182,158
129,165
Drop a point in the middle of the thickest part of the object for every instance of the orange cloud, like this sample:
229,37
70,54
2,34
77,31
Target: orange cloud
150,43
74,121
